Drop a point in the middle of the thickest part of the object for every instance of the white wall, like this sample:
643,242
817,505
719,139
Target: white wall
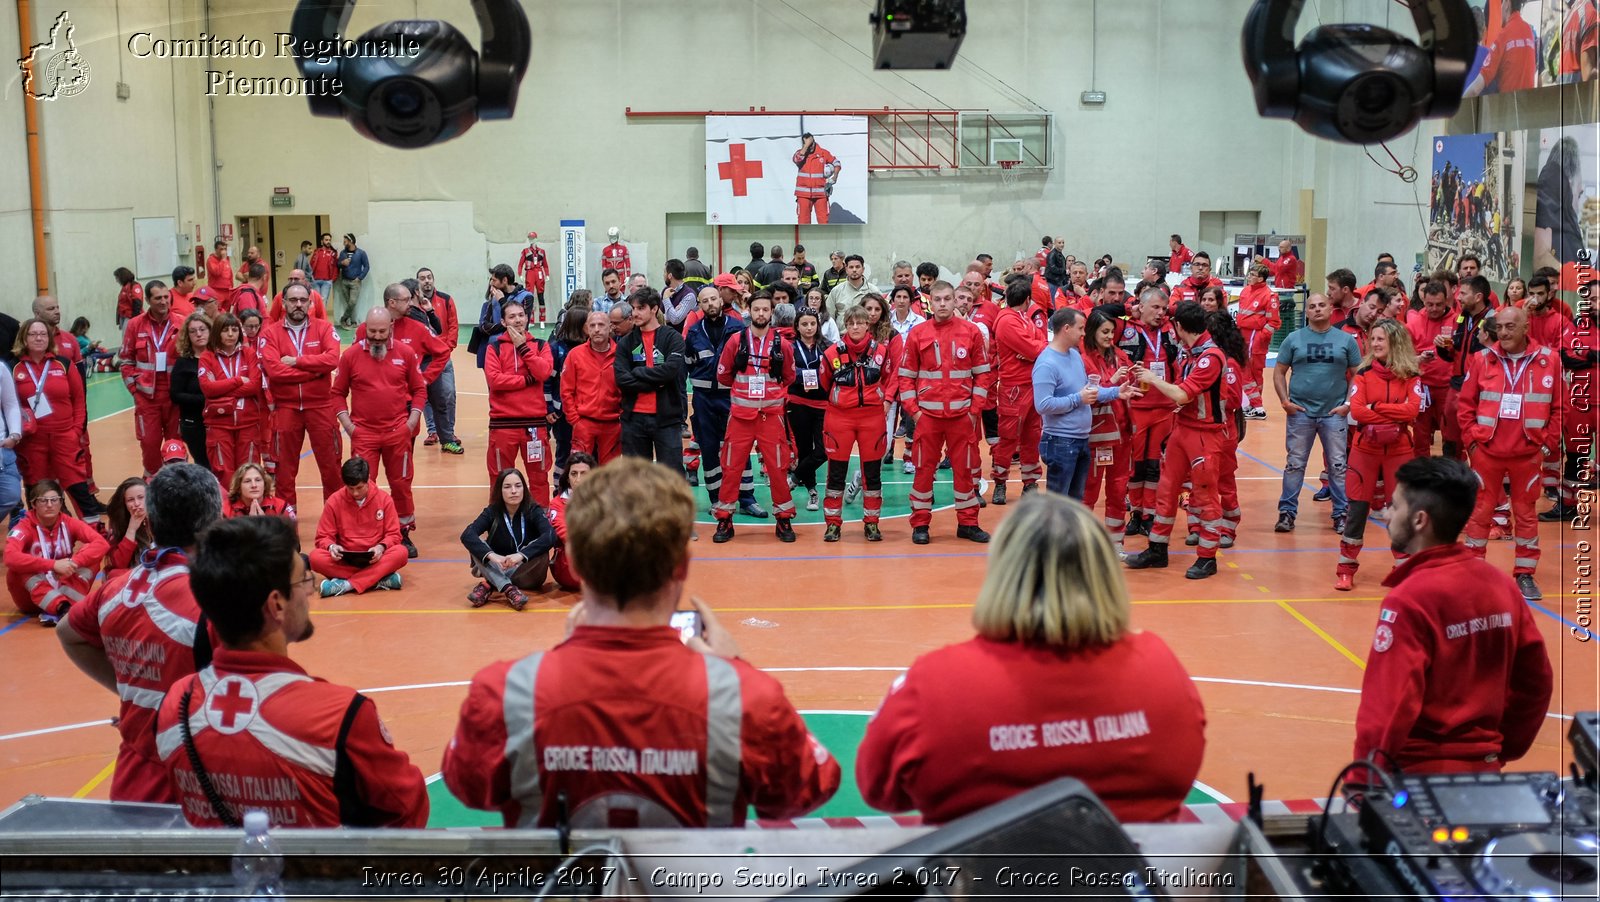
1179,135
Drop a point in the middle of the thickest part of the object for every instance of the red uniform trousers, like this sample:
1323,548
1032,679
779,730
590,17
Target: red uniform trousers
53,454
1550,470
806,206
936,437
1256,368
267,432
154,421
1114,474
1151,426
36,594
231,447
394,448
768,433
1492,471
1020,426
1228,488
561,570
862,428
602,438
529,447
360,578
292,425
1363,470
1436,417
1193,455
1452,427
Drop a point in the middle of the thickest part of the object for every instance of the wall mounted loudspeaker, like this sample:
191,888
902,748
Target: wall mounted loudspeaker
412,83
1359,84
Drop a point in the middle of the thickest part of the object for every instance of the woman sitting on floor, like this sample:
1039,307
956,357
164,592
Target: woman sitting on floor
129,527
252,494
509,543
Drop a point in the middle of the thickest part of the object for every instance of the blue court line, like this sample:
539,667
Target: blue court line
1549,613
15,625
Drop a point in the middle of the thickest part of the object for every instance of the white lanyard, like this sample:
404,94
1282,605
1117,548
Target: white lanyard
759,351
39,378
515,538
222,364
1512,380
1154,343
297,337
161,340
56,546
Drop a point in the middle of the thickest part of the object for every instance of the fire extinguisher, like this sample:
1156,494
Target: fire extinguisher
200,259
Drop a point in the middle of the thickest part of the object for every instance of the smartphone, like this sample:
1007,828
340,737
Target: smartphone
688,624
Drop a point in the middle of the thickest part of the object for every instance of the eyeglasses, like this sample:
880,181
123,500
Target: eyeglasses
48,499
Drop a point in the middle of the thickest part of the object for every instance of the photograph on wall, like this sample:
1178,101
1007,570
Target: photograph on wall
1508,46
1566,216
786,170
1569,40
1477,199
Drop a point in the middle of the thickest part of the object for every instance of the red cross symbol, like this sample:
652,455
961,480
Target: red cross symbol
739,170
231,703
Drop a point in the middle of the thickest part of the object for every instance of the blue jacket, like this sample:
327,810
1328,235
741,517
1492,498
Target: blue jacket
358,267
704,351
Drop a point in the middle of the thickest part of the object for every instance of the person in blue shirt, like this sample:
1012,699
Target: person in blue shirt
1312,379
353,267
1064,398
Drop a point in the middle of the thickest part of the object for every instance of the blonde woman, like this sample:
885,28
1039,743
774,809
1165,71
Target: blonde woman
1055,684
1385,399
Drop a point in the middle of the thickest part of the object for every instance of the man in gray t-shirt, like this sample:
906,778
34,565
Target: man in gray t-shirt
1312,378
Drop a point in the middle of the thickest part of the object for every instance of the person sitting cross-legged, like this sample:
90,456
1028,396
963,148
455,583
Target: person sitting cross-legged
510,543
358,537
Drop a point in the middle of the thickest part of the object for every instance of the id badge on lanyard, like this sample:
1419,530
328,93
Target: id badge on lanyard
1105,455
39,403
1158,366
535,446
1511,401
758,386
809,380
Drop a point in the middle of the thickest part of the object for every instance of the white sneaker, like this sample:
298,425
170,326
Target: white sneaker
907,468
811,502
853,489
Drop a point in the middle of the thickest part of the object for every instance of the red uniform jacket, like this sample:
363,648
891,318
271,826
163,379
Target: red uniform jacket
589,384
1157,349
316,310
385,391
1285,271
324,264
358,527
516,382
637,730
1468,334
271,737
232,386
144,345
762,386
122,557
984,314
812,179
1189,289
615,256
219,277
859,376
1112,422
1258,317
1017,343
63,393
270,507
67,346
31,549
431,351
1179,257
1511,58
306,383
130,297
943,368
1458,678
1203,368
534,265
1487,416
147,622
1549,327
954,734
444,307
1378,399
245,297
1436,370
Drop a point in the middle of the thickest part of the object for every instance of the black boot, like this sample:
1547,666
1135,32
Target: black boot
972,533
1202,568
724,531
88,505
1154,556
784,531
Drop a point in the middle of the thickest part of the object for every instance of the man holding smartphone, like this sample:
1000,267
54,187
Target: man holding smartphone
626,724
1431,331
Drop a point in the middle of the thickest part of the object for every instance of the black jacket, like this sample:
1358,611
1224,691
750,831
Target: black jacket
665,375
531,523
186,393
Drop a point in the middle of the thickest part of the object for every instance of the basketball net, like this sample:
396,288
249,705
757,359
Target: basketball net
1009,173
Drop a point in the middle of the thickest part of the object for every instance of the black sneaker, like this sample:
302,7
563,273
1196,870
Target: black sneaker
972,533
1285,523
1028,488
724,531
1338,524
1323,494
1528,588
411,550
1557,514
1202,568
784,531
944,464
1153,557
919,535
999,493
874,534
1137,525
831,534
694,477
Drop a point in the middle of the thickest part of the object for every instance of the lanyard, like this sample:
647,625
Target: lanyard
222,364
39,378
149,563
516,536
297,337
161,340
1511,385
1154,343
55,545
759,351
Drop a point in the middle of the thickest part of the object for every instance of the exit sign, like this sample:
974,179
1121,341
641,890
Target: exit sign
283,200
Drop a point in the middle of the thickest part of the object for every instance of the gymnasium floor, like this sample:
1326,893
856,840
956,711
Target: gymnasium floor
1277,654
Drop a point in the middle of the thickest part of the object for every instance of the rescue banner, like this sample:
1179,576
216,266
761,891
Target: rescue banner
573,271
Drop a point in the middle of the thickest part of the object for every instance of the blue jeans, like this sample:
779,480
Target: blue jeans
440,411
1300,430
324,287
10,484
1066,463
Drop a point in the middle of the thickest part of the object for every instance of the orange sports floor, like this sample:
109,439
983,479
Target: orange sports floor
1277,654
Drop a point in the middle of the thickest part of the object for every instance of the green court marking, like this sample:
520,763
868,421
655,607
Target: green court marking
107,395
896,497
840,732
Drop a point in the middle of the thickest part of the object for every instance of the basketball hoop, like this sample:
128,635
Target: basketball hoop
1009,172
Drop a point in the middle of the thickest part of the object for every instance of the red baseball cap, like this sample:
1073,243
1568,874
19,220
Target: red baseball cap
204,293
533,234
726,280
172,450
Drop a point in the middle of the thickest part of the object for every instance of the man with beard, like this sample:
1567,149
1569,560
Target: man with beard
712,403
444,322
380,393
756,369
298,356
149,349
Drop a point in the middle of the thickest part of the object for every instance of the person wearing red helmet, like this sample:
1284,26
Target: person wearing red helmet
534,265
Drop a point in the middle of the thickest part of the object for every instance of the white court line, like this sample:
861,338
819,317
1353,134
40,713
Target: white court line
1216,796
62,729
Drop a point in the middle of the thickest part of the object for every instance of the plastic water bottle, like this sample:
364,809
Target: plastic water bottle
257,862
